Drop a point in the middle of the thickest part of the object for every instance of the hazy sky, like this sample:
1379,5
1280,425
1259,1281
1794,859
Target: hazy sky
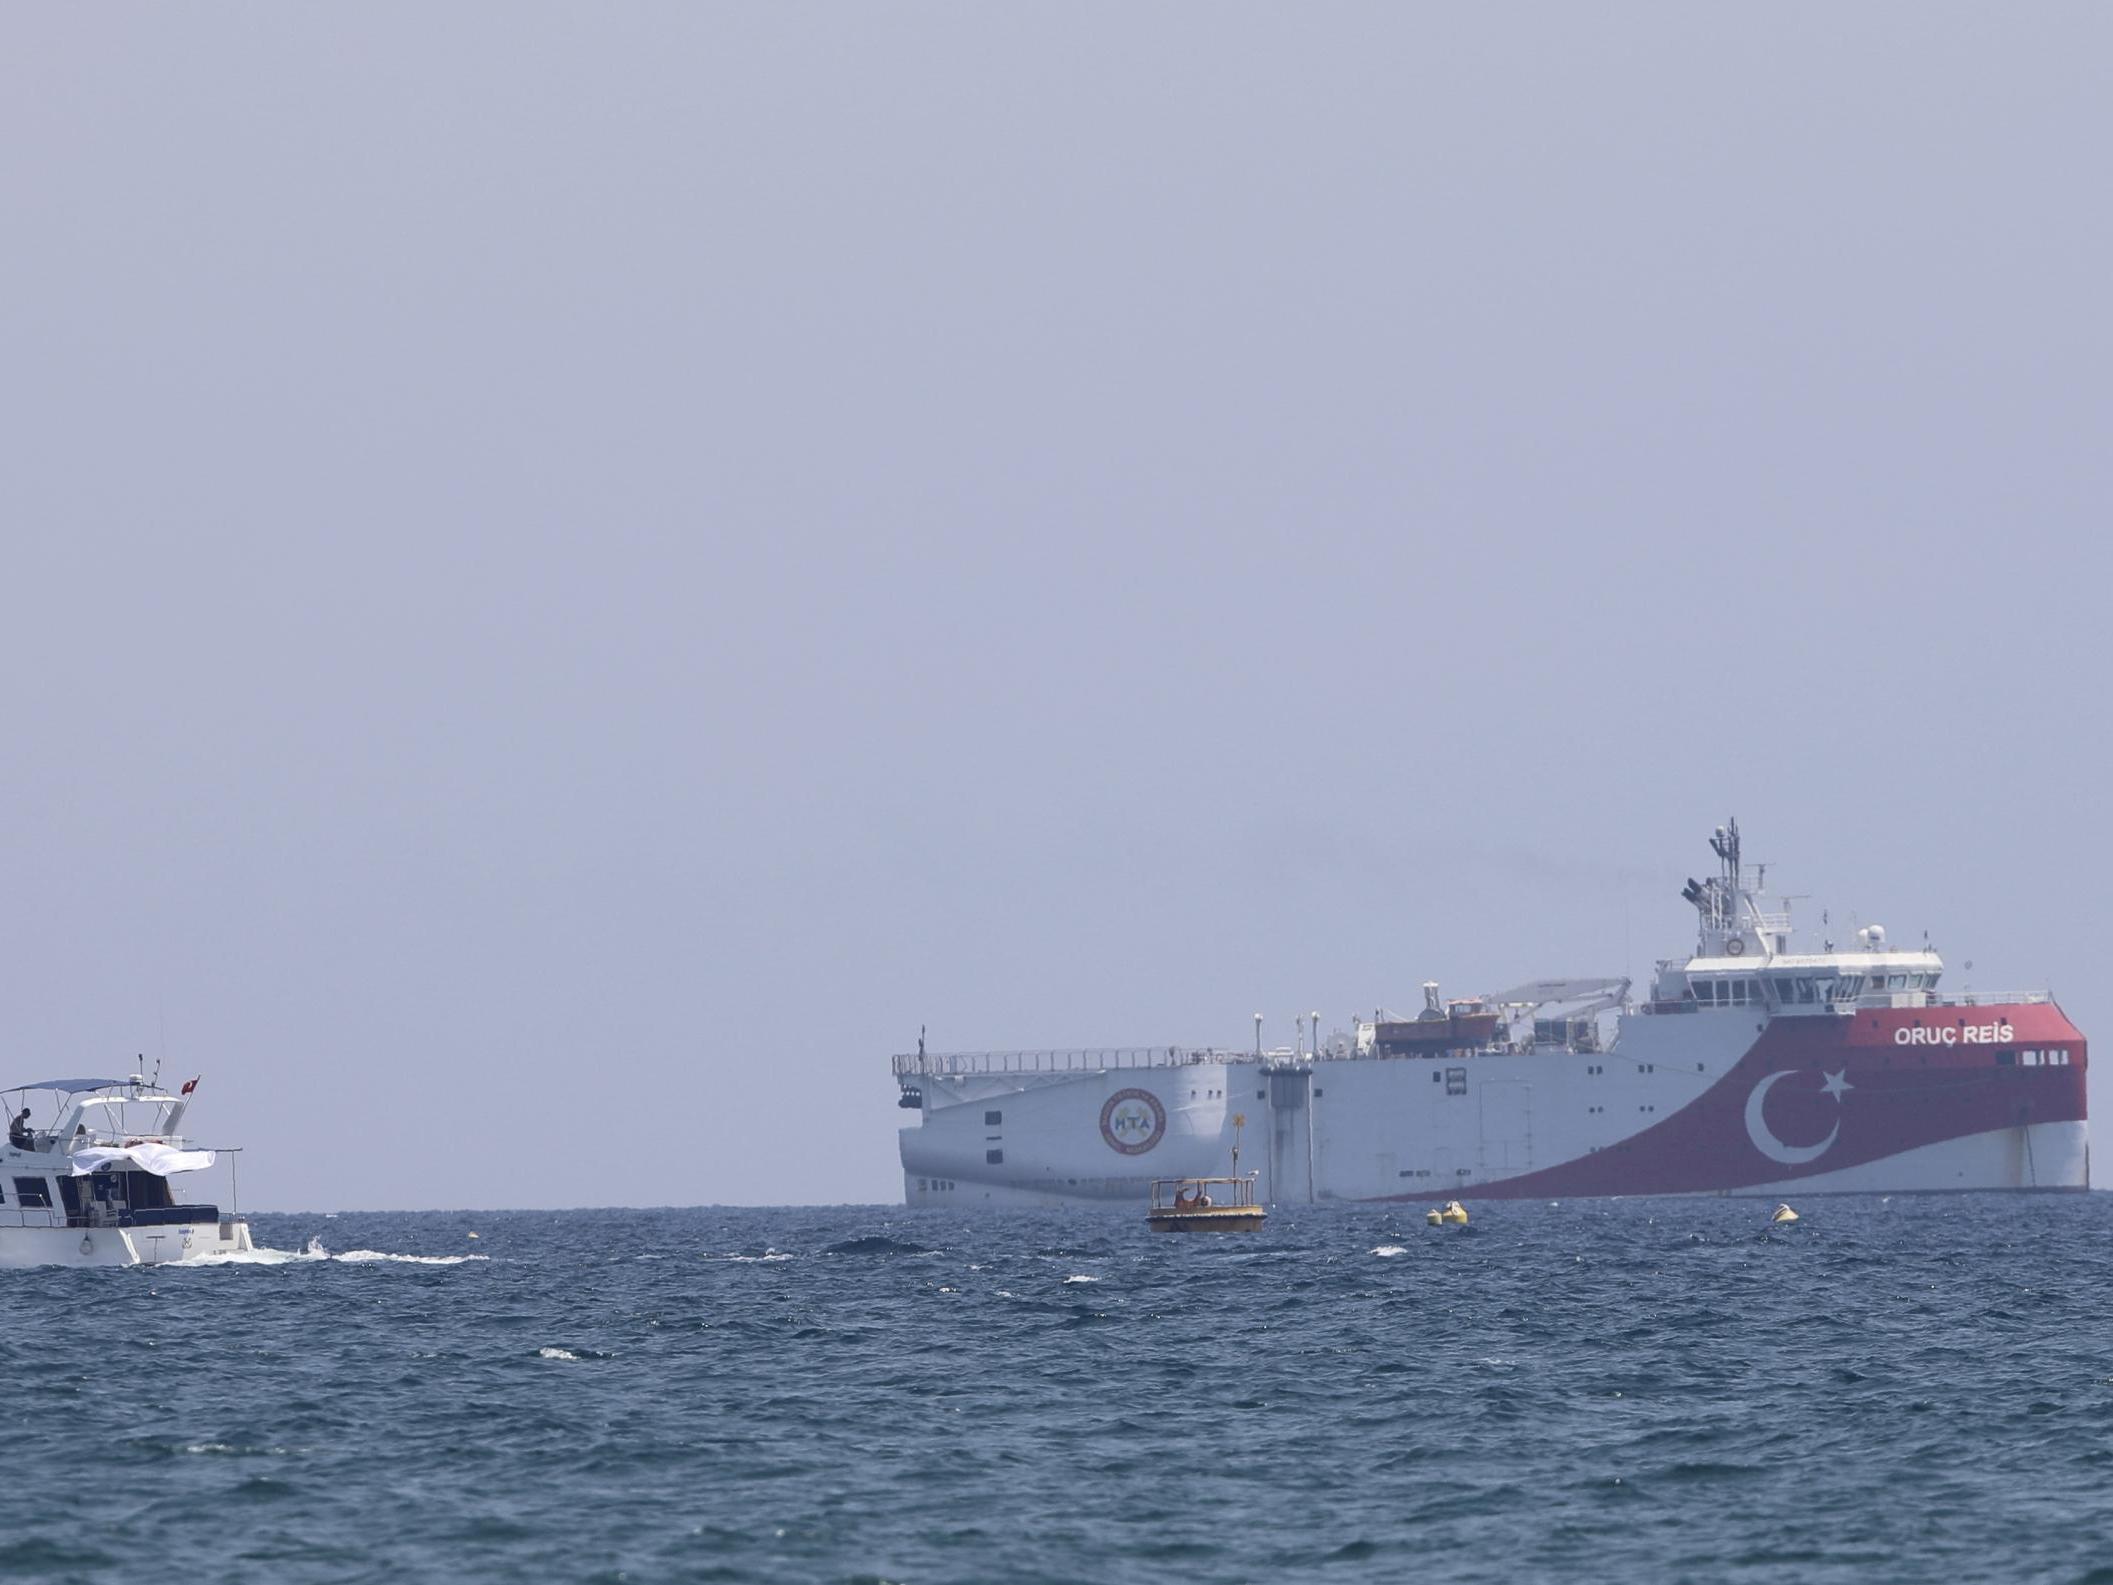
572,574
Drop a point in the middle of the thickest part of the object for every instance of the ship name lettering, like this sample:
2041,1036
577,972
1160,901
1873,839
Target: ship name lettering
1960,1035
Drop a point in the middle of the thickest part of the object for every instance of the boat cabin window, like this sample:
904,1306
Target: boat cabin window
1727,993
123,1191
32,1192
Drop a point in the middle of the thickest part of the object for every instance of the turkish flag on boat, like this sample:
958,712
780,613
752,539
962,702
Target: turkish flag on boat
189,1085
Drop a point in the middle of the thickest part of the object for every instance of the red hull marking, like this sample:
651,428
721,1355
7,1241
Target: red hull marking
1898,1097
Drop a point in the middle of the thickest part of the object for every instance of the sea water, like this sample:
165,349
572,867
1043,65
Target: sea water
1908,1389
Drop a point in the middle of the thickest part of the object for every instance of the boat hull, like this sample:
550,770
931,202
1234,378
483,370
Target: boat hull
1887,1100
122,1246
1213,1219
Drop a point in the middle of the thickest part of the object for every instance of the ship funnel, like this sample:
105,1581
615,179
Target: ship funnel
1430,999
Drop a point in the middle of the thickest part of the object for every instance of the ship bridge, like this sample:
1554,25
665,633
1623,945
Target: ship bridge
1743,956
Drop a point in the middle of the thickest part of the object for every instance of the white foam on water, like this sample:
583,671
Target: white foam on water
1081,1277
557,1353
314,1251
229,1447
356,1256
752,1260
1387,1251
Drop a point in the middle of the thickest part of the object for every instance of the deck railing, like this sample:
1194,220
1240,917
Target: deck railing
907,1065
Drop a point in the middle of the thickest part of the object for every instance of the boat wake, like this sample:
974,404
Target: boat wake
314,1251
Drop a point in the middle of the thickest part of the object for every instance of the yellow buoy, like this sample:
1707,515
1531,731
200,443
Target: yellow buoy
1455,1213
1784,1213
1435,1218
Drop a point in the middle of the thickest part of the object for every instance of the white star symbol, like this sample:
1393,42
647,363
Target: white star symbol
1836,1083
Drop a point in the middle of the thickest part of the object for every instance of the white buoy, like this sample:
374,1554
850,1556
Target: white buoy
1784,1213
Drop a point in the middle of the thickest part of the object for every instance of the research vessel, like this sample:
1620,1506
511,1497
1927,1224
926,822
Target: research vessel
1748,1066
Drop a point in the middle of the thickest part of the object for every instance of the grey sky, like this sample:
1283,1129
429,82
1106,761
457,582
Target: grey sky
574,573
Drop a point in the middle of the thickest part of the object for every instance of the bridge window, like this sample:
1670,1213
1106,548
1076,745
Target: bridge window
32,1192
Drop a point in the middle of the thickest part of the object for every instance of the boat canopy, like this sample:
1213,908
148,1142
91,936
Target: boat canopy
73,1086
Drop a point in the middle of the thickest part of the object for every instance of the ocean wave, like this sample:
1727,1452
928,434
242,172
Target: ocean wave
877,1244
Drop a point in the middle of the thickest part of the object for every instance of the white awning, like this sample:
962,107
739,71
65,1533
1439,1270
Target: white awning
160,1160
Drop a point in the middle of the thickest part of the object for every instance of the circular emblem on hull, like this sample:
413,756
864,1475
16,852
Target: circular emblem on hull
1763,1137
1133,1121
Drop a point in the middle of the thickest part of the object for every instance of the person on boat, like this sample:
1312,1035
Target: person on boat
18,1131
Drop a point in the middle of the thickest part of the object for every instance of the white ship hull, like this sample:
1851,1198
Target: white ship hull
1708,1102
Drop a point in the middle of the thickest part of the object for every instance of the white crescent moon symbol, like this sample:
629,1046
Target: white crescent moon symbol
1770,1146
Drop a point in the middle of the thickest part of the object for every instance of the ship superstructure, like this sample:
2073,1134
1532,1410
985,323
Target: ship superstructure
1749,1067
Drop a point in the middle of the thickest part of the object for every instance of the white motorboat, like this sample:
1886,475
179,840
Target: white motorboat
93,1187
